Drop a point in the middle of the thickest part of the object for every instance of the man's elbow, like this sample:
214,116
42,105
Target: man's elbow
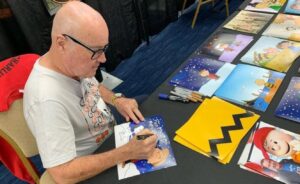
59,176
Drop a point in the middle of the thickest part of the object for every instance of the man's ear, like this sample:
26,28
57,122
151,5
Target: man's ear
61,42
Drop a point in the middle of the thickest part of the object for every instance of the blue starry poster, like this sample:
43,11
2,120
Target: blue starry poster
161,158
202,74
289,106
251,86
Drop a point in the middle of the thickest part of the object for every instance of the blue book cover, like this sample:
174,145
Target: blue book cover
202,74
162,156
289,106
273,53
293,7
250,86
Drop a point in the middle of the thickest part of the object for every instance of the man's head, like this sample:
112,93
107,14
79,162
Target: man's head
79,37
273,141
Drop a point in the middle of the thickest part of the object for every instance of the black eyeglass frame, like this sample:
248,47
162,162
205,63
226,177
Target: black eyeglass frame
96,53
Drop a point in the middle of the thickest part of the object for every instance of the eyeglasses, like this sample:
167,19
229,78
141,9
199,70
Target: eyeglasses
96,53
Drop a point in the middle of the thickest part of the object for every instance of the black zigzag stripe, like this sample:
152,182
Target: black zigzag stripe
225,131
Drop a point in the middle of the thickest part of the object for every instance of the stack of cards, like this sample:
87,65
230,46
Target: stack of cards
216,128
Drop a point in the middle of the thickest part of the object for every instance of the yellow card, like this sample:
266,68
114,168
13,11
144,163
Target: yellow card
217,127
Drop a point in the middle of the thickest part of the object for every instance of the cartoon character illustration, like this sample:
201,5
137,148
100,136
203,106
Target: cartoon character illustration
287,170
273,4
279,58
207,74
266,56
295,5
157,158
223,47
277,143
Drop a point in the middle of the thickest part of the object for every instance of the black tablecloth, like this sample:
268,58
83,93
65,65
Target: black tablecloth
192,167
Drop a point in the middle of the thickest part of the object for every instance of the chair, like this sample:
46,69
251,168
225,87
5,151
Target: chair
202,2
16,141
15,135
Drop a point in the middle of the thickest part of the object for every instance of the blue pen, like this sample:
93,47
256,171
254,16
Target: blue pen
172,98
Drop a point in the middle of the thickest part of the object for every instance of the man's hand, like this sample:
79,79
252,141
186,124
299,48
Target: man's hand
142,149
128,107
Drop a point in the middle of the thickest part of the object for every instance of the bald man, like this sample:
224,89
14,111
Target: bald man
65,107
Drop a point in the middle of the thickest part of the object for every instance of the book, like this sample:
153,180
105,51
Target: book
274,53
226,46
265,5
285,26
250,86
243,84
216,128
293,7
249,22
272,152
202,74
161,158
289,104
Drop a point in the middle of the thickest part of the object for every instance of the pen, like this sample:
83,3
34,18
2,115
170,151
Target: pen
184,96
143,137
172,98
138,137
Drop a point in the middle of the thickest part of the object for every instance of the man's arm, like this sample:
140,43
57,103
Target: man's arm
84,167
126,106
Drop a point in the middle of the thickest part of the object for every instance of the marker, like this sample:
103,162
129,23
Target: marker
143,137
172,98
138,137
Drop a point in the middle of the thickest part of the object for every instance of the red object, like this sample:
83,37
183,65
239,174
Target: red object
14,73
259,139
13,158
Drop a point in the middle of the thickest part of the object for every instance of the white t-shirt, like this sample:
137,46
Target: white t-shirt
68,118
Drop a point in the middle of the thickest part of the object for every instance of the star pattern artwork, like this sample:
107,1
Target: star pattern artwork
289,106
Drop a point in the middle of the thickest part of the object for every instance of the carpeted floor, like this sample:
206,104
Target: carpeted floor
151,64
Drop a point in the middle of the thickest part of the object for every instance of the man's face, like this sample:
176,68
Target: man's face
277,143
91,37
81,63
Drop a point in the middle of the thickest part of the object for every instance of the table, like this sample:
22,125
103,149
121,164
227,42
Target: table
193,168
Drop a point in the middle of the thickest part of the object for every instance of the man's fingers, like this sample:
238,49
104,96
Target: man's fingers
133,117
138,113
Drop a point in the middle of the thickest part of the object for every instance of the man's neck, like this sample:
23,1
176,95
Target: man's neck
49,61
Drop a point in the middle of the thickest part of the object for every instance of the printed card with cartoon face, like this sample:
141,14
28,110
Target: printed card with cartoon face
225,46
273,53
250,86
272,6
289,106
273,152
161,158
285,26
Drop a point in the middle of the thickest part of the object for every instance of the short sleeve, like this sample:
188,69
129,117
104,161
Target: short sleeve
53,132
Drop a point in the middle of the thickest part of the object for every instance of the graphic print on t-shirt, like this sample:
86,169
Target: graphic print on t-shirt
99,119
